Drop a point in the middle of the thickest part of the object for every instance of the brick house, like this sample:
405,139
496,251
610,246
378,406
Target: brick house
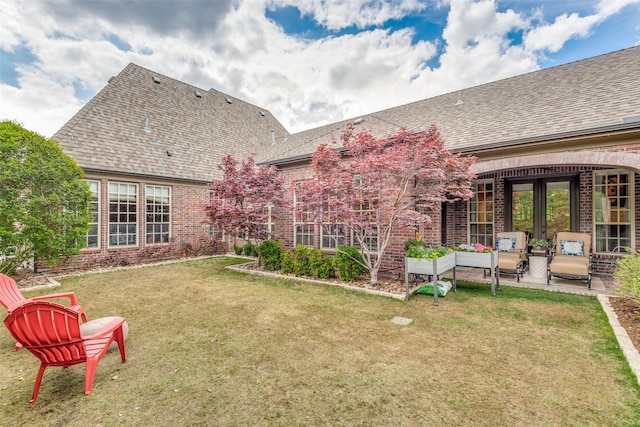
557,149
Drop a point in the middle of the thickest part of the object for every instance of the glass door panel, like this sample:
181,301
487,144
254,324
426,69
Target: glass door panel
558,207
541,207
522,207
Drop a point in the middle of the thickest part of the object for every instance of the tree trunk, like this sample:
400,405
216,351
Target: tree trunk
373,273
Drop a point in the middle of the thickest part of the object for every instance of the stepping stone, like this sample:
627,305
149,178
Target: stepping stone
404,321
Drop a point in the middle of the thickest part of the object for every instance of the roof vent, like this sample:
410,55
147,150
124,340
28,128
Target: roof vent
229,100
197,94
262,113
155,79
459,101
358,121
110,78
169,153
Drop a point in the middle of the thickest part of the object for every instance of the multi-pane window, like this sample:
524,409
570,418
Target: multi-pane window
123,214
481,213
216,232
214,229
158,210
304,228
369,236
331,232
332,235
613,210
269,225
92,237
365,205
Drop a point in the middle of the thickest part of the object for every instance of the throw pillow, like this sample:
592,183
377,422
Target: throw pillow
506,244
572,247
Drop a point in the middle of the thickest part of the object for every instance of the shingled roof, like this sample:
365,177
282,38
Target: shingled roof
143,123
146,124
586,96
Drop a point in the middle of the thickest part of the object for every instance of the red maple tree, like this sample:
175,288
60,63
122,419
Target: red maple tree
371,186
242,203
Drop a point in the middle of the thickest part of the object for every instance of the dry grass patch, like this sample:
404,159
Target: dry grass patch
208,346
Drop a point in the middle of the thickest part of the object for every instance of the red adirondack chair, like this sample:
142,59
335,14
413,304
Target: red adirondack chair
11,297
52,333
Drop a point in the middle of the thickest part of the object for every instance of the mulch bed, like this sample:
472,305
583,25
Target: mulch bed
628,312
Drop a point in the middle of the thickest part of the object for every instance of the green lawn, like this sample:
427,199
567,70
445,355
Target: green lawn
208,346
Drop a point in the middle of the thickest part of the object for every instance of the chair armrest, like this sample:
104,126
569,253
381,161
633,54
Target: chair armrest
70,295
107,329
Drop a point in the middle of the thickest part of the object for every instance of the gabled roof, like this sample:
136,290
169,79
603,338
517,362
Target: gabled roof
143,123
575,98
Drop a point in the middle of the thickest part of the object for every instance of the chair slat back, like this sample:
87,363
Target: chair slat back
50,331
10,295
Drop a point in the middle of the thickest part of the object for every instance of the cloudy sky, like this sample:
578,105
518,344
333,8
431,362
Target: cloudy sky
309,62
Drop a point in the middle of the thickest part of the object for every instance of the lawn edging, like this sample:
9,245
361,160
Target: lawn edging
239,268
628,349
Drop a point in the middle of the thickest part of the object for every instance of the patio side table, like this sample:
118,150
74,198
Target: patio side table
538,266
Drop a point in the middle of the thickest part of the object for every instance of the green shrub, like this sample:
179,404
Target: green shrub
249,250
348,263
287,265
628,275
320,264
8,266
237,249
271,255
301,264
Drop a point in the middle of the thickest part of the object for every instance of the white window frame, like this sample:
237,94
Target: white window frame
118,223
332,233
95,214
164,197
371,241
474,201
303,229
608,213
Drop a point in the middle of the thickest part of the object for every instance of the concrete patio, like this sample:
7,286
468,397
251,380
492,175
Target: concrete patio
527,281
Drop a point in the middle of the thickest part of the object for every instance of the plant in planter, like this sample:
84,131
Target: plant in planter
538,243
421,260
476,247
423,252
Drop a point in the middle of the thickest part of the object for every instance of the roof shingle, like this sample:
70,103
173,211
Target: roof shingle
592,93
144,123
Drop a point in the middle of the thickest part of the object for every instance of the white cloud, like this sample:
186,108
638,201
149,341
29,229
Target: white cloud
339,14
477,49
607,8
232,47
552,37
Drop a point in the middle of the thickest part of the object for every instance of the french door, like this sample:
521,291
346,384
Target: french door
542,206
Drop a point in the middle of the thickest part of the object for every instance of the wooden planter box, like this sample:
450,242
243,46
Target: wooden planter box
477,259
488,260
431,267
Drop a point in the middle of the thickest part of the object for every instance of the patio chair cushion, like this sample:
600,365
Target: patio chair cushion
570,265
506,244
509,260
572,247
93,326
